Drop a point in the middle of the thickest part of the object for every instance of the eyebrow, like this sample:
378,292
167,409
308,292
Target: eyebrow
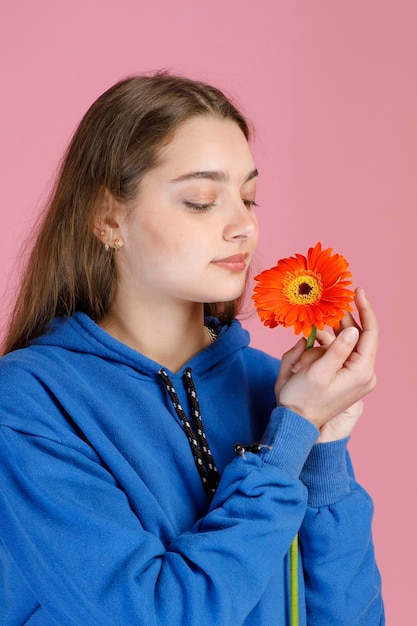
215,176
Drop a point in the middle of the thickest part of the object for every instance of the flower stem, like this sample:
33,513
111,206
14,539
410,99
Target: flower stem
294,581
312,338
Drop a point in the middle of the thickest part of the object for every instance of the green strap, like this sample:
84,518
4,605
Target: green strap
294,621
294,582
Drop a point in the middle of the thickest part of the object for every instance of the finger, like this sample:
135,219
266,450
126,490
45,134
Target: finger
289,359
324,337
368,342
338,352
346,321
308,357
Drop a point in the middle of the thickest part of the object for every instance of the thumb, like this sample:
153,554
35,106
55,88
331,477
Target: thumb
341,348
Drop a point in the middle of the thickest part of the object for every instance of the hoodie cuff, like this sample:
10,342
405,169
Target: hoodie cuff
325,473
288,440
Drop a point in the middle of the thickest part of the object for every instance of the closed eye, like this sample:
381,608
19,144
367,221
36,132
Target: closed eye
196,206
250,204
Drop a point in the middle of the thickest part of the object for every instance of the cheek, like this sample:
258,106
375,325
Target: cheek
168,251
181,243
256,238
256,224
153,239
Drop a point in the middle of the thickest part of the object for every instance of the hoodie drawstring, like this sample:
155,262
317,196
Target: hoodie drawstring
203,458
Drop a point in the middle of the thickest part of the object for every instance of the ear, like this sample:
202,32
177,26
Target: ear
105,223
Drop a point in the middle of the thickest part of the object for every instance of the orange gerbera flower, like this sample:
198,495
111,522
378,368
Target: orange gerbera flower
305,291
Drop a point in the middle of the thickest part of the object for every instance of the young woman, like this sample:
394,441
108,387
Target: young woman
127,381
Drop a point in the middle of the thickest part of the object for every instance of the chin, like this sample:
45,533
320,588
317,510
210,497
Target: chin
226,295
223,290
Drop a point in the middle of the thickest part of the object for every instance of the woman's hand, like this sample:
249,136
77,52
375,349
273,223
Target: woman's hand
326,383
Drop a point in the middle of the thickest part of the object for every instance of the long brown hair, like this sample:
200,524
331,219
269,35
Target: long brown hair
116,143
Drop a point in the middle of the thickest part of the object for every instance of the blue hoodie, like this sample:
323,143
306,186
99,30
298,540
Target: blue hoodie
103,517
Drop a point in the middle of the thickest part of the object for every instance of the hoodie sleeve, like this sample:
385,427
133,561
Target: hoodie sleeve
69,529
81,551
343,585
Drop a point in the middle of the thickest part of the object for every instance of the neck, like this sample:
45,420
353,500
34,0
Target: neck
169,336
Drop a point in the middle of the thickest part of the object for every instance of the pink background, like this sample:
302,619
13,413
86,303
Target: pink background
332,89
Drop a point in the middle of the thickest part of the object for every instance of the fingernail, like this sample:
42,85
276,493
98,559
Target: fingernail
296,368
350,335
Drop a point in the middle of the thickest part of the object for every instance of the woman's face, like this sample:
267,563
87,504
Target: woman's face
192,230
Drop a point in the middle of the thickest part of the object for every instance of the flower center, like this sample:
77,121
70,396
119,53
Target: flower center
302,287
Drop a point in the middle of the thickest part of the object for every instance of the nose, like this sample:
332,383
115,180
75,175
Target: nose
242,223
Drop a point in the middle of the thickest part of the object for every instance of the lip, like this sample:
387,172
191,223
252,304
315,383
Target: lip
235,263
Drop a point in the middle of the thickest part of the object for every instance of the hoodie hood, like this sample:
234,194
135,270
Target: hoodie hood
76,380
80,334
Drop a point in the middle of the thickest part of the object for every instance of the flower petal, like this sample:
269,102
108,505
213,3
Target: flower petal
302,291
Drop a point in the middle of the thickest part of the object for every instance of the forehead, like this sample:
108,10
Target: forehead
207,143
